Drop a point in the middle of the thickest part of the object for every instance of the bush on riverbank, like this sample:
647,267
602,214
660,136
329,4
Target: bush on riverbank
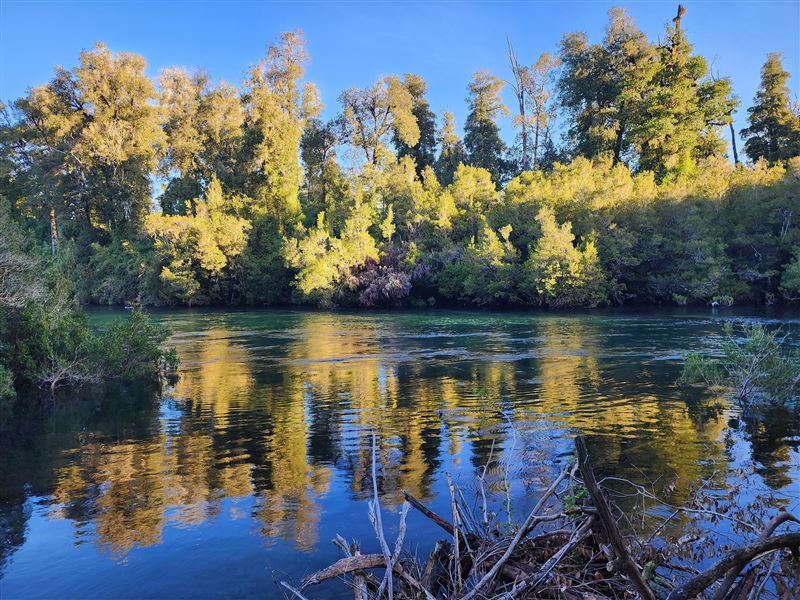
46,340
756,365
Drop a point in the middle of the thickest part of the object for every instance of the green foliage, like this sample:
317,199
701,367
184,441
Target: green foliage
7,391
655,106
371,114
774,131
756,364
47,347
197,252
120,273
557,273
423,152
790,280
46,340
133,348
264,276
485,148
257,208
485,273
700,369
452,152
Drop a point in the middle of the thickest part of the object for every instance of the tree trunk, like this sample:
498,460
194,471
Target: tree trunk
618,144
733,144
526,165
53,231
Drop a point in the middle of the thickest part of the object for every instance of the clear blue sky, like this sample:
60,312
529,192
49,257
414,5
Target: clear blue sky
352,43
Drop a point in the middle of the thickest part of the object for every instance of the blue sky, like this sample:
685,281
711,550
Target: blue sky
353,43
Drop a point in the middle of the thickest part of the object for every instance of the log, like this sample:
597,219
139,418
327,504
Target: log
612,534
360,562
345,565
736,559
436,567
731,576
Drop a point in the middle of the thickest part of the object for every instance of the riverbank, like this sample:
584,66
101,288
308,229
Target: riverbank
572,546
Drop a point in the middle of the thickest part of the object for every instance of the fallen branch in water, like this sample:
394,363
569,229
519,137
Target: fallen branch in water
564,549
730,579
609,524
737,559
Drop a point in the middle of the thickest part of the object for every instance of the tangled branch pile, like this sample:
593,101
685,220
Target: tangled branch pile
570,546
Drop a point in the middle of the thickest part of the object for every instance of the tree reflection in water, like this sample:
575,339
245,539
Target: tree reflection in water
274,411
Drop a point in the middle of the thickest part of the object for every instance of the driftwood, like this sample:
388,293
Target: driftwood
736,559
563,550
609,524
781,518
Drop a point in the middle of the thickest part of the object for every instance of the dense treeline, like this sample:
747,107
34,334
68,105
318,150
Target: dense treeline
617,186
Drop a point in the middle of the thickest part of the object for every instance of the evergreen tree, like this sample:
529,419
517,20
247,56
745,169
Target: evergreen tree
275,113
602,86
774,131
682,111
424,151
203,125
482,140
324,186
452,151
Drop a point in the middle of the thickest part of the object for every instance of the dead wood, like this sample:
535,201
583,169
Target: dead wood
612,534
736,559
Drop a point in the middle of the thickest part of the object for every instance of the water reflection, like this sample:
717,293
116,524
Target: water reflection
272,420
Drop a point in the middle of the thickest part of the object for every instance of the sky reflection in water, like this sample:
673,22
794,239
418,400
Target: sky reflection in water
260,453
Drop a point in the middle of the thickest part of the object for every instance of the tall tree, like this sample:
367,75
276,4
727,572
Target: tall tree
203,125
682,111
373,113
602,86
452,151
424,151
532,92
324,183
541,114
521,86
774,131
91,137
482,139
275,112
718,103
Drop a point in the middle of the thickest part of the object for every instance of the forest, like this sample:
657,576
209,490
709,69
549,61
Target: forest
623,183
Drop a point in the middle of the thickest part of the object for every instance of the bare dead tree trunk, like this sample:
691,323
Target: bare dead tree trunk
733,143
524,132
520,86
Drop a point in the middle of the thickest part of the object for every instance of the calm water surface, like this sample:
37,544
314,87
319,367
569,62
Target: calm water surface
242,472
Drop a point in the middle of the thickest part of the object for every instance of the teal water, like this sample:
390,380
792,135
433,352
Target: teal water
241,473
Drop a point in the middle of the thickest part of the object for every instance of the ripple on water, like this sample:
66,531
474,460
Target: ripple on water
262,449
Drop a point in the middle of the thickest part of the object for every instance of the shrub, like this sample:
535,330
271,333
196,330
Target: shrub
133,348
7,391
47,347
756,363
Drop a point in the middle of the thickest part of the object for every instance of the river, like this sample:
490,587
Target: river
241,472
